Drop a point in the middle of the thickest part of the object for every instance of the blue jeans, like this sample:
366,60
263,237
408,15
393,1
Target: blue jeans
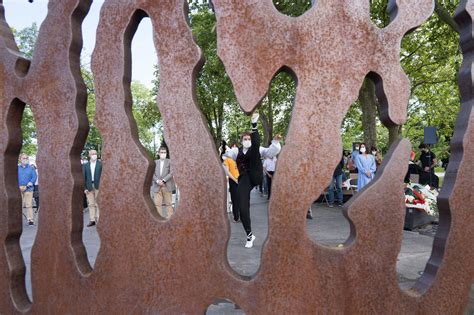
338,180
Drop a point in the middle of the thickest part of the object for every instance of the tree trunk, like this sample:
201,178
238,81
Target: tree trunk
270,119
368,103
394,133
266,130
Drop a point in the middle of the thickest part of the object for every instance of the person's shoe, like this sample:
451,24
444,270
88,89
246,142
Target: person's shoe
31,223
331,205
236,221
309,216
92,223
340,204
250,240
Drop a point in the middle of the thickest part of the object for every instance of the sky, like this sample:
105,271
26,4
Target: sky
20,14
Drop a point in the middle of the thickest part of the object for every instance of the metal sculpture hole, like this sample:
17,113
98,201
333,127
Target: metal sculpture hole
326,223
224,306
144,88
379,13
31,195
275,113
421,252
293,8
20,234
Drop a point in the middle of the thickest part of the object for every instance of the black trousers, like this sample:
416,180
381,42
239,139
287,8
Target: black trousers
235,199
429,178
269,183
243,190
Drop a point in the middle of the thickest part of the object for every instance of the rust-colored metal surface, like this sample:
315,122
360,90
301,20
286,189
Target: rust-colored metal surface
179,266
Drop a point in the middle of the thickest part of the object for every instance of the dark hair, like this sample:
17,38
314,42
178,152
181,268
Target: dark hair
373,148
163,148
422,146
245,133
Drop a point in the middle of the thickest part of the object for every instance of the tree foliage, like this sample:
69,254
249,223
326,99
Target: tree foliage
430,56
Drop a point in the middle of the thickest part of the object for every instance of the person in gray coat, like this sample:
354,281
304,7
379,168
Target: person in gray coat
163,184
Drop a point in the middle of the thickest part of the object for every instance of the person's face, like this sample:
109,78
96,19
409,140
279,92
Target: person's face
24,160
246,137
162,154
92,153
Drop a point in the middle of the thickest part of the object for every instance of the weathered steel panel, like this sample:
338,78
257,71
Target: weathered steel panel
150,265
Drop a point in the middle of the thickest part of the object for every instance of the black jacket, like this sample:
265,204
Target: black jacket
86,169
251,163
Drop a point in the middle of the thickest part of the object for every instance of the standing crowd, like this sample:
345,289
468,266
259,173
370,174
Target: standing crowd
246,166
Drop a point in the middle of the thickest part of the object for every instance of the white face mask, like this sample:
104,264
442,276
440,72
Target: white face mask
374,152
362,150
357,148
162,156
24,161
93,158
246,144
235,151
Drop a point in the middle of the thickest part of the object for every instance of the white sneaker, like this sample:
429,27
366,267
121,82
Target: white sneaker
249,243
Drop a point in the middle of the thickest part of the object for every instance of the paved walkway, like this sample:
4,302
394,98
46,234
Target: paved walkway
329,227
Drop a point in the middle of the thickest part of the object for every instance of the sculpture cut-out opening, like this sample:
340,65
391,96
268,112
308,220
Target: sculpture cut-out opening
432,67
92,164
28,174
326,223
293,8
161,192
244,249
224,306
379,13
22,200
144,88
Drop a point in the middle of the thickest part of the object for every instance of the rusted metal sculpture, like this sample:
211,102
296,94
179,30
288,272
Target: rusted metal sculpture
150,265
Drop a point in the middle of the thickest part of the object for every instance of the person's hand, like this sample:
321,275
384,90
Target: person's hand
236,181
86,191
427,169
22,188
158,181
30,184
255,117
368,174
278,137
161,183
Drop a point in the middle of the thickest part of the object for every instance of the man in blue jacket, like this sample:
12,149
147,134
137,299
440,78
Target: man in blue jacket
26,180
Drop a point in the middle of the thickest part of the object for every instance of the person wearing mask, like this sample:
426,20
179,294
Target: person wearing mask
351,164
92,171
250,169
366,167
377,156
163,184
336,183
232,172
26,180
269,165
428,163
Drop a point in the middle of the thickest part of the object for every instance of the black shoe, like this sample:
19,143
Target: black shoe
31,223
309,216
92,223
340,204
